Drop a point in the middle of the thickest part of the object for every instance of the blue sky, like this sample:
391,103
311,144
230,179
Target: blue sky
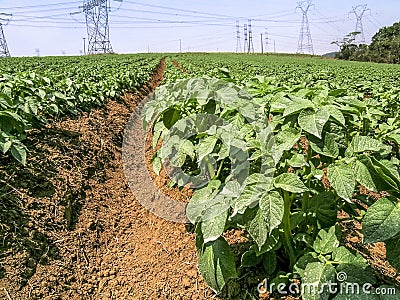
207,25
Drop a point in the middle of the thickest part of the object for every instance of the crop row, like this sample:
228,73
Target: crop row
34,90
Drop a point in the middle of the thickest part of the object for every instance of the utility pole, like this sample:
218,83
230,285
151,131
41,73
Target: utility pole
274,47
96,12
251,47
180,46
245,37
84,46
238,42
37,52
266,40
262,44
305,41
359,12
4,52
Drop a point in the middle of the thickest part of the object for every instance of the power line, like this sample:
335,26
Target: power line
41,5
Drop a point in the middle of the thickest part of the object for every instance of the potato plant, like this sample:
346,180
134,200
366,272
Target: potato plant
281,161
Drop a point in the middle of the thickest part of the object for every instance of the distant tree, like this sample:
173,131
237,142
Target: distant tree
385,46
347,46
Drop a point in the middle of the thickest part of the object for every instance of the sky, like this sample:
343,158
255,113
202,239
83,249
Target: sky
55,27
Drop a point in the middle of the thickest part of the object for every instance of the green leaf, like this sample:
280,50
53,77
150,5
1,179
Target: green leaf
324,206
290,182
272,243
42,94
256,185
5,146
206,146
297,161
297,105
270,262
250,259
170,117
212,229
157,165
393,251
342,255
326,241
258,228
335,113
364,177
382,221
326,146
361,144
18,151
303,262
208,208
313,122
272,207
357,274
284,141
316,275
342,179
217,264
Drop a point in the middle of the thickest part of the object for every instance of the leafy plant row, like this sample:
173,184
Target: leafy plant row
309,147
54,87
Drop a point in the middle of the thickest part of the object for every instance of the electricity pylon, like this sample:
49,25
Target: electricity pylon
266,40
251,46
245,37
305,44
4,52
96,12
359,12
238,42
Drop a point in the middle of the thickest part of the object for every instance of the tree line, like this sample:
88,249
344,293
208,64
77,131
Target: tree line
384,47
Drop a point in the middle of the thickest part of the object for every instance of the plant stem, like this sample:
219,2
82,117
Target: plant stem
210,167
219,169
288,239
306,195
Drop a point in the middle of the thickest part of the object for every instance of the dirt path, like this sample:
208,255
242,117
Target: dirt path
84,235
178,66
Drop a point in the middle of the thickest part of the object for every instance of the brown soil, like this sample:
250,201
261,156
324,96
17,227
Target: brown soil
177,65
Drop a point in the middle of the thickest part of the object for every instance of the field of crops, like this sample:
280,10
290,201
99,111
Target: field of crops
293,163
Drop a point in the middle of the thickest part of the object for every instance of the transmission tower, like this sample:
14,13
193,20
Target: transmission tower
359,12
266,40
251,46
238,42
96,12
3,43
305,44
245,38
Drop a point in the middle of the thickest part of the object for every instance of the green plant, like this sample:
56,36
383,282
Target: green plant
325,146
